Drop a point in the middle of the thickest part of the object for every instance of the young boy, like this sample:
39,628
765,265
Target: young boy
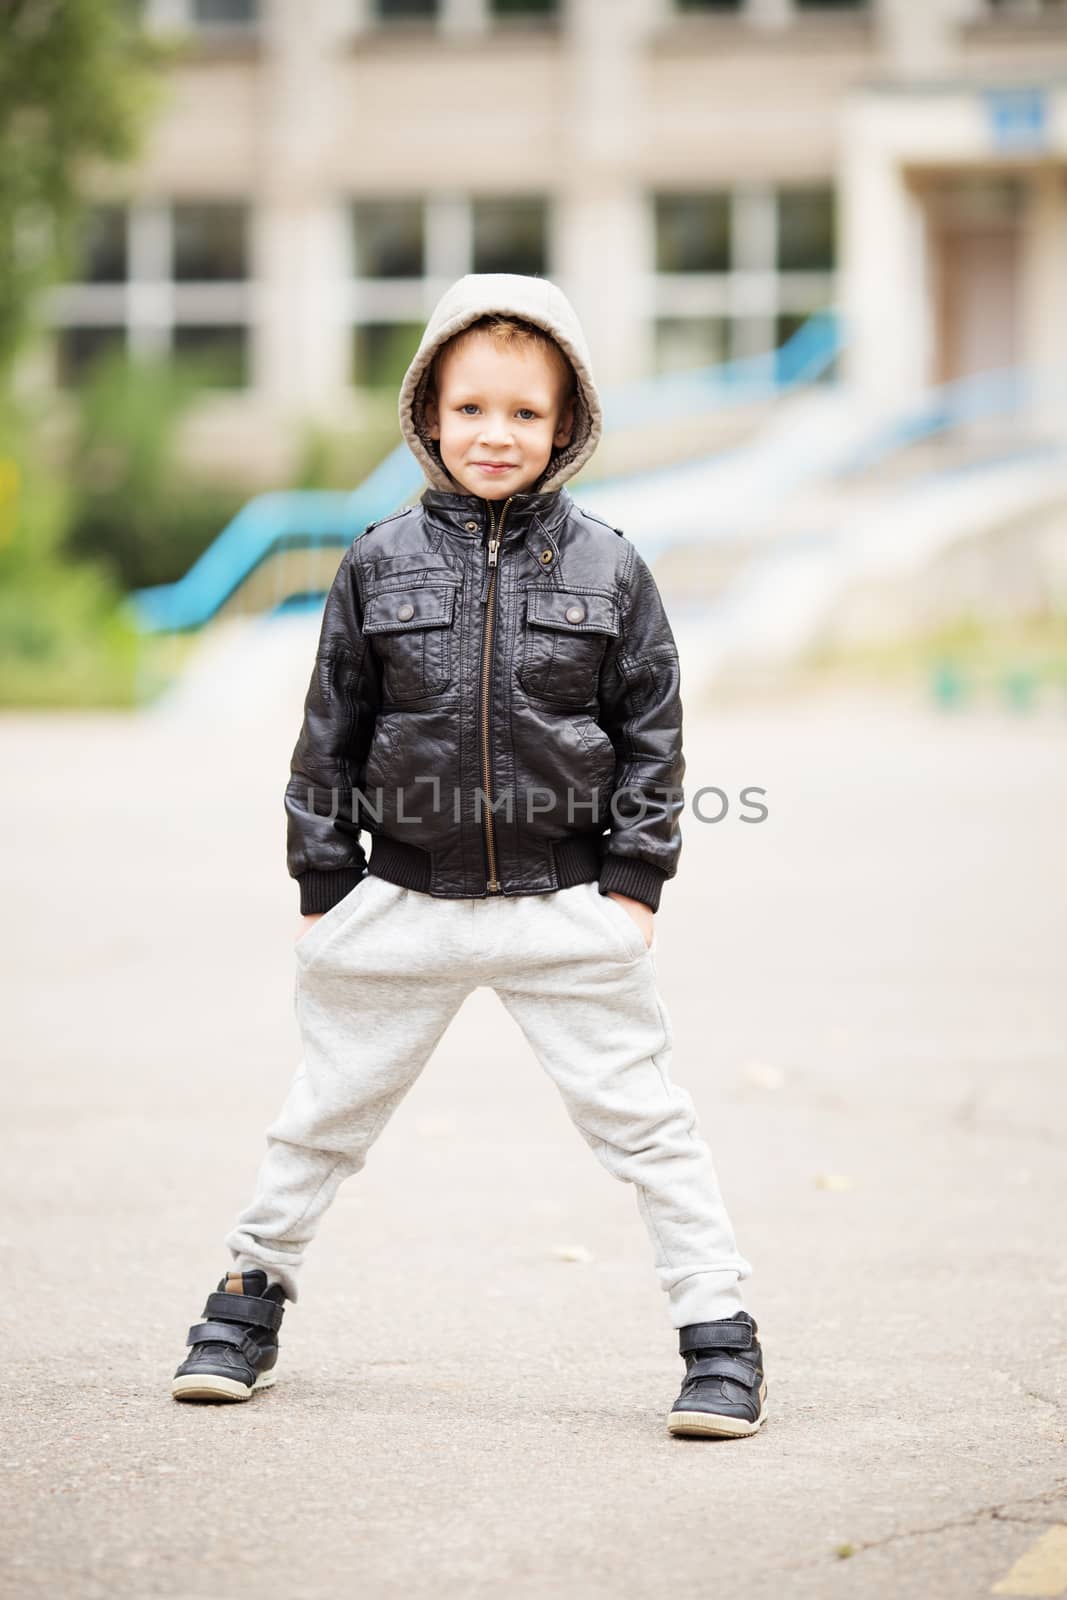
495,702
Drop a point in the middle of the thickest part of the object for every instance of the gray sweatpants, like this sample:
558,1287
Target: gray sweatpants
379,978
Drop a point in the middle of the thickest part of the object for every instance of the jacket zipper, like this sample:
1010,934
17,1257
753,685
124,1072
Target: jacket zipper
488,597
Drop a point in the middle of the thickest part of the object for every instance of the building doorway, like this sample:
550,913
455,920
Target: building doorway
977,236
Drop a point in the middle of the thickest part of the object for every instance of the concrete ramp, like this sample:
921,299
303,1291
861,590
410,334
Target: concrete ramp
245,671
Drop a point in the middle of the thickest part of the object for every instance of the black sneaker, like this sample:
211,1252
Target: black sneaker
235,1349
724,1391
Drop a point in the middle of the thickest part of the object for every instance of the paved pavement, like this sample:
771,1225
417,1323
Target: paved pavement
870,1011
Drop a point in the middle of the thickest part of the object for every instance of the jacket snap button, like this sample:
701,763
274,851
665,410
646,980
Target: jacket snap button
546,556
575,614
471,527
405,613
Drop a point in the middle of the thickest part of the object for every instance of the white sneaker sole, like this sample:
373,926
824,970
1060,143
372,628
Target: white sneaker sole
210,1386
710,1425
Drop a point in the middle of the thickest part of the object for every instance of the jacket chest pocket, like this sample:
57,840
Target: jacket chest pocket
564,639
411,633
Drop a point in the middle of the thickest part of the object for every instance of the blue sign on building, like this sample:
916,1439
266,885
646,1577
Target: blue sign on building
1018,119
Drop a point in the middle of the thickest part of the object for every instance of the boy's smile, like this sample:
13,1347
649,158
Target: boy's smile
498,414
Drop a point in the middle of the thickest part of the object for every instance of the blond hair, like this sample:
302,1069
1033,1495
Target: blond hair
509,333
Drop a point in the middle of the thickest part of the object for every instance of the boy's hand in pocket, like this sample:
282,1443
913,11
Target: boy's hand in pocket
307,922
643,915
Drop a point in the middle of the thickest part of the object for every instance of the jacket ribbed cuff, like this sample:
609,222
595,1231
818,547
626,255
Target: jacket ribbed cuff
638,879
321,890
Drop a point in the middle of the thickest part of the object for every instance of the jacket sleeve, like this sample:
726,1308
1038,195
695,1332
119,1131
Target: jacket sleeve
641,711
323,852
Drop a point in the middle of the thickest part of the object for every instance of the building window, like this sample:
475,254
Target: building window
685,342
786,324
510,236
405,249
806,230
220,352
104,250
207,17
693,232
1028,8
225,13
407,10
78,349
156,279
388,238
523,8
382,352
210,243
738,270
740,7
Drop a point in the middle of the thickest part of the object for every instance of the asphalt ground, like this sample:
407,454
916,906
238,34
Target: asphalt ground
869,1007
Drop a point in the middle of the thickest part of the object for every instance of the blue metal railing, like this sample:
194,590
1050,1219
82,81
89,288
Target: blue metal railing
315,518
321,518
807,355
984,395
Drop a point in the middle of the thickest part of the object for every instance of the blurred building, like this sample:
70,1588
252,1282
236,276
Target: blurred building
699,175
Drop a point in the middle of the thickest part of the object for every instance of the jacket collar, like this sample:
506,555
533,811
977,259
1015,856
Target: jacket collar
528,513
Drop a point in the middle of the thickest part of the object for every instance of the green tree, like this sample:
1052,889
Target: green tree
76,81
135,509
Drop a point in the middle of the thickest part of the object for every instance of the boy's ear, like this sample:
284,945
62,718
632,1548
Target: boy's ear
433,420
565,427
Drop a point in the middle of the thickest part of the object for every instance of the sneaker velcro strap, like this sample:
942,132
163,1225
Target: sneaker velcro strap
715,1336
245,1308
223,1333
723,1367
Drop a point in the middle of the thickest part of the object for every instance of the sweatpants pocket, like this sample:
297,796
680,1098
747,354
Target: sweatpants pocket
309,943
624,927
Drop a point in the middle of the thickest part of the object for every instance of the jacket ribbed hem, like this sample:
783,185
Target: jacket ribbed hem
638,879
321,890
575,861
402,864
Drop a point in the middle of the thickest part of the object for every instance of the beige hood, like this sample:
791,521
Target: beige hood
534,300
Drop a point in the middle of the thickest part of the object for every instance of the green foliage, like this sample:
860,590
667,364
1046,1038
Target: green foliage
1016,663
75,84
319,461
335,458
382,353
64,636
65,641
117,512
76,81
136,510
968,645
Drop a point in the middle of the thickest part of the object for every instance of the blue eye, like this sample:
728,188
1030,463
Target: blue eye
469,405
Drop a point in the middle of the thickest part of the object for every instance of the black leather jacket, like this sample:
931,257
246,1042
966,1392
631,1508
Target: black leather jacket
495,702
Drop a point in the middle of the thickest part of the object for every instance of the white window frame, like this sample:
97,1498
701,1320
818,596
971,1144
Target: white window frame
448,231
769,14
1020,10
150,305
455,18
754,291
179,16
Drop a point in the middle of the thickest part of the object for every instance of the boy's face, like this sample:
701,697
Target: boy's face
498,414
